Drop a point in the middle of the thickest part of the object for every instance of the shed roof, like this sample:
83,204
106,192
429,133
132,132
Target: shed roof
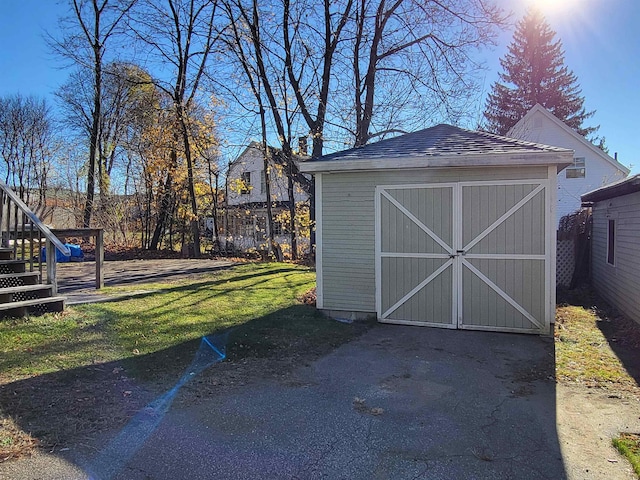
442,146
623,187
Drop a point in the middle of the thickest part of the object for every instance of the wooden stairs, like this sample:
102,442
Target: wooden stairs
21,290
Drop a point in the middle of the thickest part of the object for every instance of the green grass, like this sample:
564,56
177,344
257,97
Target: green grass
260,299
70,375
583,353
628,444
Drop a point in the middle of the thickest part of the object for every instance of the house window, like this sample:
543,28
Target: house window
578,169
611,242
246,183
263,183
278,228
247,228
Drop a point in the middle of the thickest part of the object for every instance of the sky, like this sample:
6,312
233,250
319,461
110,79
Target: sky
601,40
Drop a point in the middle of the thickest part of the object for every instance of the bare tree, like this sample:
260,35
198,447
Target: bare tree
411,60
121,87
242,47
92,25
266,53
27,146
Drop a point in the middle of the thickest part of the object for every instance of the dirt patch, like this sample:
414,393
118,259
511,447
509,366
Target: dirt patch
14,443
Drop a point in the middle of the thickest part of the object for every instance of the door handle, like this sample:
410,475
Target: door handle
460,252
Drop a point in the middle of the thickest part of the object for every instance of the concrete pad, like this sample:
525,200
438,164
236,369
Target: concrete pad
76,281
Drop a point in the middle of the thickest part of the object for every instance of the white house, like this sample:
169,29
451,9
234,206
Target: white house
592,168
245,221
615,250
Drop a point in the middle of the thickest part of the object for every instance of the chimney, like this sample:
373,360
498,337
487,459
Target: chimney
302,145
615,155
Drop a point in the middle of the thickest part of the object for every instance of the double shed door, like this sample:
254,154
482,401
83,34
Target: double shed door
464,255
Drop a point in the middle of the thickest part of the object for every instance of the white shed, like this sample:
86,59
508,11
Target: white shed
442,227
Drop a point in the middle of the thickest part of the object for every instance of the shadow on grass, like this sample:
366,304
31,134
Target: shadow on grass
77,405
154,321
622,334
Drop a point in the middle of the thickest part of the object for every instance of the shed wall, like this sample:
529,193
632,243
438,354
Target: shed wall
619,284
348,226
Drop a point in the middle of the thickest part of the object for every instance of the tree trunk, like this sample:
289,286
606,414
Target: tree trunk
93,147
266,155
195,229
163,213
292,209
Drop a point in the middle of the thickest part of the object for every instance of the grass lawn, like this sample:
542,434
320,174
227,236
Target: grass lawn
96,363
593,345
628,444
597,348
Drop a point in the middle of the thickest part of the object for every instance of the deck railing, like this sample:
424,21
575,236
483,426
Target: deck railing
25,233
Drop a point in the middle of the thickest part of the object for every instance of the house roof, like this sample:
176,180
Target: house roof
537,108
617,189
441,146
275,157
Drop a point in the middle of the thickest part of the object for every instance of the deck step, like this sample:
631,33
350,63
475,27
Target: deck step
25,288
13,266
34,306
16,279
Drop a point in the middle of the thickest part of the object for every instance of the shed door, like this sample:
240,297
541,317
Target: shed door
467,255
416,266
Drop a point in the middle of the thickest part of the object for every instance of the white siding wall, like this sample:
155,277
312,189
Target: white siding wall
599,171
618,284
348,226
252,161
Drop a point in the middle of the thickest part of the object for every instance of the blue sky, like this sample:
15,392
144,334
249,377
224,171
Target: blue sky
601,39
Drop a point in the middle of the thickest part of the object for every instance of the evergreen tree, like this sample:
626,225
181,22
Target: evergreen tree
534,72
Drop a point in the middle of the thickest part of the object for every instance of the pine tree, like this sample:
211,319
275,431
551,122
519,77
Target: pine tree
534,72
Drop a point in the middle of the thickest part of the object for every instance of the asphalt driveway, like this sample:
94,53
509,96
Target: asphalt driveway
398,402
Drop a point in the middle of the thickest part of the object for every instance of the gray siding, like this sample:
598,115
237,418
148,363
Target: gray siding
348,225
618,284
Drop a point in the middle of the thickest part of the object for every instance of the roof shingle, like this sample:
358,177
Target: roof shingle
438,141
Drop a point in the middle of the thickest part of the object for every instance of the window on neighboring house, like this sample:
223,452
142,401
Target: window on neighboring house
278,228
611,242
578,169
263,183
246,183
247,227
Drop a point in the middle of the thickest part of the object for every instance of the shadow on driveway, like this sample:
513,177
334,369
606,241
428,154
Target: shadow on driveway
397,402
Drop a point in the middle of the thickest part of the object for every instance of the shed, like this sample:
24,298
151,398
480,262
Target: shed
615,244
441,227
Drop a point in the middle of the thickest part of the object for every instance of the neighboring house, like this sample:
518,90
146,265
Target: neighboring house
615,244
591,169
442,227
245,221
